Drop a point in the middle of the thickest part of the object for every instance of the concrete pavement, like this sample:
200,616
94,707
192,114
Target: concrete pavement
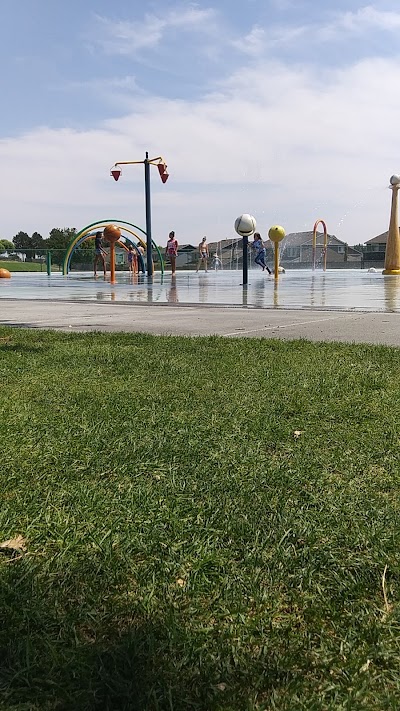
195,320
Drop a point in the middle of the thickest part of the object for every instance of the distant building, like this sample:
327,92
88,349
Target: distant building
229,252
186,256
375,248
296,251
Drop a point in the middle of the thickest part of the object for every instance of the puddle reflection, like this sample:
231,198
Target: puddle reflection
335,289
391,286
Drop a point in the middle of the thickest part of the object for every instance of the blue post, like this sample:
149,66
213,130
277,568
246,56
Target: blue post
149,254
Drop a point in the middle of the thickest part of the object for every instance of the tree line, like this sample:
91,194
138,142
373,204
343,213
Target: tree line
36,245
59,238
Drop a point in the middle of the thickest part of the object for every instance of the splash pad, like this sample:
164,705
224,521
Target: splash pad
336,289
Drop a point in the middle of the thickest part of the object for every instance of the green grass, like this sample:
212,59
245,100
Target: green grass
22,266
26,266
185,550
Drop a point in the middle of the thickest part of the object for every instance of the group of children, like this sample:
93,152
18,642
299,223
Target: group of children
171,251
101,254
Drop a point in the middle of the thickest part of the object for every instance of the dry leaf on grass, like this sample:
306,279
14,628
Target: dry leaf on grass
181,583
221,686
297,433
365,666
13,546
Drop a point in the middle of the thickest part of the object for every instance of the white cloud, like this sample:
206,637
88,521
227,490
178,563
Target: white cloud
370,18
130,38
158,31
361,22
123,83
253,43
276,141
262,41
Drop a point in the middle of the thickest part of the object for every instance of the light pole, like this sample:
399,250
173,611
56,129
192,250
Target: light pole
162,169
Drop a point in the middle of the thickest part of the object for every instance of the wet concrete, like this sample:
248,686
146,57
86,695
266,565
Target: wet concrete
341,305
335,289
320,325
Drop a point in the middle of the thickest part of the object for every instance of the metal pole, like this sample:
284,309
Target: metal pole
245,270
48,263
149,255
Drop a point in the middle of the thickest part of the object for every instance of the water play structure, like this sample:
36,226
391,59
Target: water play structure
335,288
112,234
392,254
161,165
245,226
314,247
130,233
276,233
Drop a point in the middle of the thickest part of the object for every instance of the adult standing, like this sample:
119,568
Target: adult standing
99,253
142,253
203,252
171,251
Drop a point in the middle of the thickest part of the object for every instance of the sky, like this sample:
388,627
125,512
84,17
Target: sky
285,109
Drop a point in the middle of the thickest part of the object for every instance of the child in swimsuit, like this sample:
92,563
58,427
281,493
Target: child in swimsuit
132,260
258,246
216,262
171,250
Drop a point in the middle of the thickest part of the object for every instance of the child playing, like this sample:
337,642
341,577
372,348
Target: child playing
132,260
216,263
258,246
99,253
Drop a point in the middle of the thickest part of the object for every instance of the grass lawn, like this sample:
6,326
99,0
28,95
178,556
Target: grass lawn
27,266
209,524
22,266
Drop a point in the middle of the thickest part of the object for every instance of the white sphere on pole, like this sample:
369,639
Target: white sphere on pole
245,225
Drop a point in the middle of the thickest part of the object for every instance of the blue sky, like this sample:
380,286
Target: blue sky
284,108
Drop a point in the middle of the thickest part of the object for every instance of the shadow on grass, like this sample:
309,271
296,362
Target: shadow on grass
60,654
20,347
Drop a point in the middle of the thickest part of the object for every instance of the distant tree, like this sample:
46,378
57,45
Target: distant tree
6,245
359,247
58,242
23,244
60,238
38,243
22,241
